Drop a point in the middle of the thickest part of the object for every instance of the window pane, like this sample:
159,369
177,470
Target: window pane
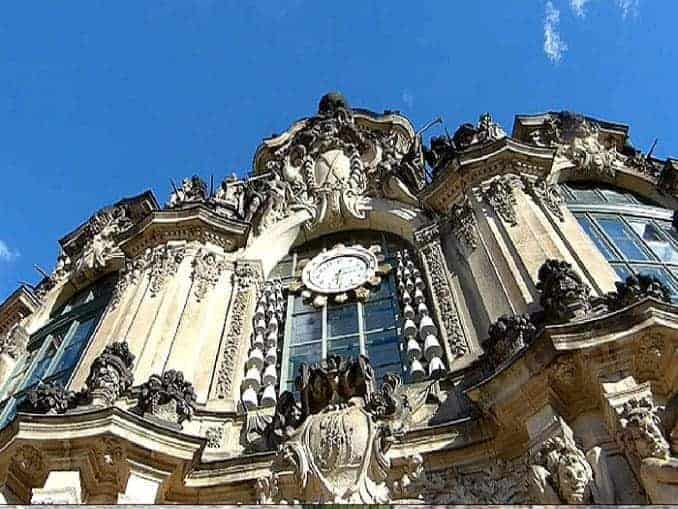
621,271
383,350
384,290
342,320
622,238
306,327
595,236
40,368
346,346
661,274
76,344
298,354
586,195
379,315
615,196
660,245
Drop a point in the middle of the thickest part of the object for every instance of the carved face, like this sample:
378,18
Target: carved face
574,476
646,439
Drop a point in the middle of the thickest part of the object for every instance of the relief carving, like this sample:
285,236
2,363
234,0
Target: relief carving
545,194
564,296
110,375
336,440
247,279
167,397
207,268
464,225
508,335
14,344
499,194
433,261
636,288
49,398
164,262
129,276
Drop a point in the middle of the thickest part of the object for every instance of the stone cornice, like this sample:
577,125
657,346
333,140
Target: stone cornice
194,223
481,162
21,303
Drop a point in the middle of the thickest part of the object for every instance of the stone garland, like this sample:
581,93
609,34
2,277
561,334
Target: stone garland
545,194
419,331
499,194
164,262
261,371
247,277
464,225
207,268
433,262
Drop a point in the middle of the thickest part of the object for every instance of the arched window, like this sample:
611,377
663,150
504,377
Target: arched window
633,234
370,328
54,350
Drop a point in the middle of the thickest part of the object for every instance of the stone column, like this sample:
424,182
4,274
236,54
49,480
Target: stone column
444,300
62,487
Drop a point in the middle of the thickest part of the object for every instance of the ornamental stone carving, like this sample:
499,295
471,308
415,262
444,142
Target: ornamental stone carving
636,288
246,281
560,473
641,432
14,344
433,261
193,190
508,335
499,194
337,438
207,268
545,194
578,139
444,149
49,398
129,276
167,397
164,262
110,374
464,225
29,462
564,296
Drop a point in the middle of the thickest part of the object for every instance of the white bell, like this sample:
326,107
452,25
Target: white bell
422,309
256,359
249,398
406,297
270,375
407,273
427,327
419,283
258,341
409,329
273,324
270,311
268,290
410,265
252,378
409,284
413,349
271,339
260,312
269,397
417,371
418,296
436,367
408,311
401,286
271,355
259,326
432,347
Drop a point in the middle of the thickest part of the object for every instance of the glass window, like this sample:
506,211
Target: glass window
635,240
54,350
349,329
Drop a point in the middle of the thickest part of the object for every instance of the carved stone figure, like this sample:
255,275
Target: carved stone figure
641,431
564,296
508,335
14,344
110,374
577,138
546,194
192,190
464,224
337,439
49,398
499,194
168,397
207,268
636,288
560,473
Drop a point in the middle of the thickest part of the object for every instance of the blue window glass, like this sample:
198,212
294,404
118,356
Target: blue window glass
622,237
596,237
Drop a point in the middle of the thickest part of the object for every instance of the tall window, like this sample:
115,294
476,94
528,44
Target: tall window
634,235
54,350
350,329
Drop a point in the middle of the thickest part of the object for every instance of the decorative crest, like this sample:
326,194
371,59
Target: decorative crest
168,397
564,296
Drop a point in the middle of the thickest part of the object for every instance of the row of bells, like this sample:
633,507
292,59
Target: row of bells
418,323
263,357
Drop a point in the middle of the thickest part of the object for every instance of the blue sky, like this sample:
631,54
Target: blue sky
100,100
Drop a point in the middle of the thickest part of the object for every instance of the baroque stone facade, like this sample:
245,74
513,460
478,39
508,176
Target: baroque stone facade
190,353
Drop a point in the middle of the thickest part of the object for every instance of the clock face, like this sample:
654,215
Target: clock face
339,270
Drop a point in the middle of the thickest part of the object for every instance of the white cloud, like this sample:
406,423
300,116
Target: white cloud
554,46
407,98
577,7
628,7
6,254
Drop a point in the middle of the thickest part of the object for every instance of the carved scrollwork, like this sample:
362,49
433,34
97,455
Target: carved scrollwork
499,194
464,224
545,194
164,262
207,268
